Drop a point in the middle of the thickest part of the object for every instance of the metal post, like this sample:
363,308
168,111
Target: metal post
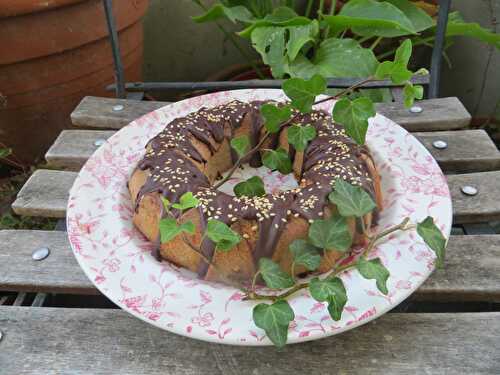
437,52
113,37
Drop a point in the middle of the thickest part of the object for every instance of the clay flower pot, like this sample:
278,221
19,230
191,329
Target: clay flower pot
52,54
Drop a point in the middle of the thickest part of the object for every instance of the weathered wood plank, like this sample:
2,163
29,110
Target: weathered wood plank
438,114
485,206
471,272
90,341
467,151
45,194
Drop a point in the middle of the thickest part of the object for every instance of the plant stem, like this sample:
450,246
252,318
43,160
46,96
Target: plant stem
308,8
375,43
320,6
330,13
364,39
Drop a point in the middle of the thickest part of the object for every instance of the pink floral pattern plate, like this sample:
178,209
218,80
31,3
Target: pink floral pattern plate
116,257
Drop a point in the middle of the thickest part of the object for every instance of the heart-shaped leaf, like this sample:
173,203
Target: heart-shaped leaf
302,92
240,145
433,237
331,290
397,70
273,275
224,237
253,187
351,200
305,254
274,116
187,201
299,136
354,116
169,229
277,160
274,320
374,269
331,234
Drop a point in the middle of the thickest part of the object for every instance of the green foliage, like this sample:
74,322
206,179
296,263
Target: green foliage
303,92
274,116
354,115
169,229
330,290
412,92
374,269
397,70
253,187
351,200
241,145
4,152
331,234
187,201
217,11
277,159
274,319
273,275
299,136
433,237
458,27
224,237
305,254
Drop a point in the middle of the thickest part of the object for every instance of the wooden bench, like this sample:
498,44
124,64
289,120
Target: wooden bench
43,340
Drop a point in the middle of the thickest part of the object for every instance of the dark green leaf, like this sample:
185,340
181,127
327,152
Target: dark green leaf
240,145
237,13
4,152
303,92
224,237
456,26
281,16
331,234
354,116
305,254
298,36
300,136
374,269
274,320
351,200
187,201
411,92
277,160
253,187
331,290
419,18
273,275
433,237
274,116
170,229
269,42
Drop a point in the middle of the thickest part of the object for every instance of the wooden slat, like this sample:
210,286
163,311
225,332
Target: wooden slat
438,114
469,275
468,150
46,194
90,341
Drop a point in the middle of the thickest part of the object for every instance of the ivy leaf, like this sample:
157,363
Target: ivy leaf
4,152
302,92
170,229
274,116
253,187
331,290
331,234
224,237
411,92
305,254
237,13
433,237
351,200
277,160
299,136
274,320
374,269
273,275
187,201
240,145
354,116
397,70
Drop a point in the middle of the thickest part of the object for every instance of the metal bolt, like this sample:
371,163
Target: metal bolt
1,335
440,145
416,109
469,190
99,142
118,108
41,253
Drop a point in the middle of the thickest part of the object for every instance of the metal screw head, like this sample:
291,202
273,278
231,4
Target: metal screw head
41,253
440,145
469,190
118,107
416,109
99,142
1,335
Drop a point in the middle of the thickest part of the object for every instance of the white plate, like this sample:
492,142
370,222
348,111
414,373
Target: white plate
116,257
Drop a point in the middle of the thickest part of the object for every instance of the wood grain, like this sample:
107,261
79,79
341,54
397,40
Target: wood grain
438,114
471,272
89,341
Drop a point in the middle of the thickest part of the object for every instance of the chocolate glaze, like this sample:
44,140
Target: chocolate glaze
171,158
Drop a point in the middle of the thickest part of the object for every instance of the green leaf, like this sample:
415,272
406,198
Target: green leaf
374,269
300,136
411,92
240,145
299,36
4,152
187,201
331,290
397,70
354,116
277,160
281,16
224,237
351,200
456,26
188,227
237,13
269,42
253,187
331,234
274,116
165,202
170,229
303,92
274,320
433,237
403,53
305,254
273,275
419,18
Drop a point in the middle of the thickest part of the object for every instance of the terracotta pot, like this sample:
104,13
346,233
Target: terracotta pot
52,54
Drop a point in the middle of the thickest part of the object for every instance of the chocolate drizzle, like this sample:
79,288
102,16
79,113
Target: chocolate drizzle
171,159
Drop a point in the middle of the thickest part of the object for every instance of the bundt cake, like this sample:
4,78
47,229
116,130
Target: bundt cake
192,152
